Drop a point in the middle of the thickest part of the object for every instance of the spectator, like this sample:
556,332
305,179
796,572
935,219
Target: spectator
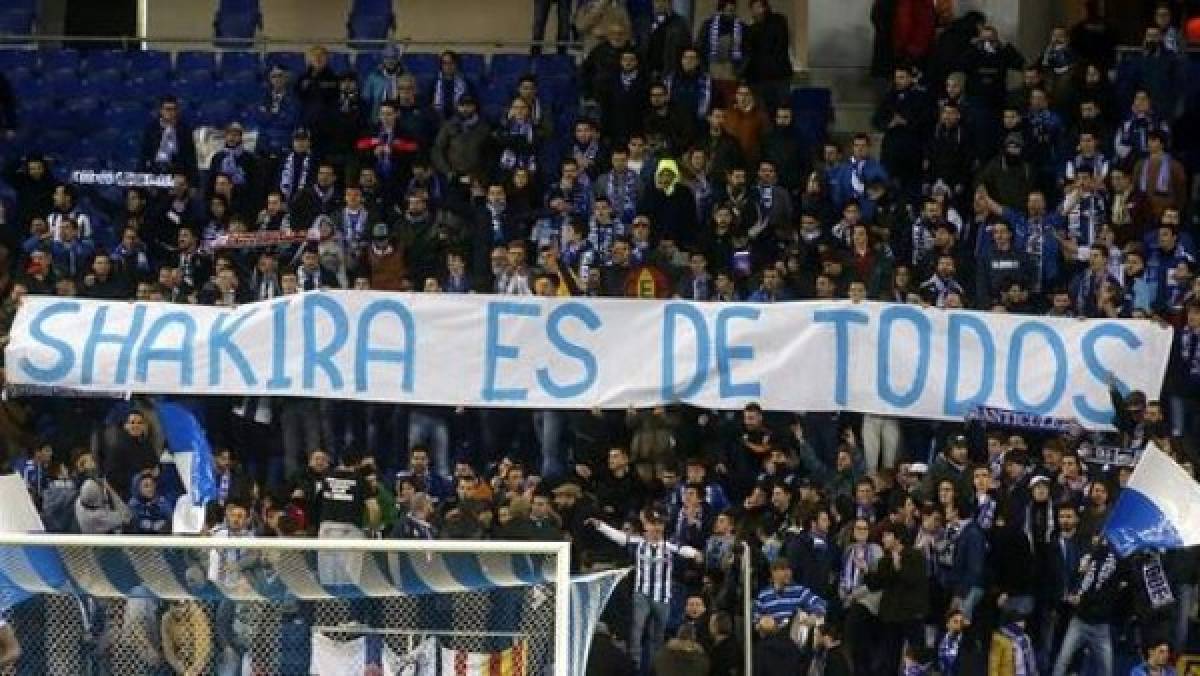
167,142
905,596
681,656
722,39
541,15
670,34
768,60
654,559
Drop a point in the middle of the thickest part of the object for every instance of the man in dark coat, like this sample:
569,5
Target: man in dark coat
905,117
768,55
902,578
669,36
130,454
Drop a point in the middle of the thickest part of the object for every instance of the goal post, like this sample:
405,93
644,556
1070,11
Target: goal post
256,599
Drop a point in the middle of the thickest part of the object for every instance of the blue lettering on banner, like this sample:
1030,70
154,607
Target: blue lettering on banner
323,357
1059,368
1089,413
883,365
126,341
66,356
182,354
494,351
952,404
220,341
364,353
279,379
726,353
672,311
590,320
841,320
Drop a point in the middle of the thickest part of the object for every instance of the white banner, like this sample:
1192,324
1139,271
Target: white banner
525,352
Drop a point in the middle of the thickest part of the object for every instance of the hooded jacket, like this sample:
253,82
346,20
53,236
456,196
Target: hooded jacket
672,210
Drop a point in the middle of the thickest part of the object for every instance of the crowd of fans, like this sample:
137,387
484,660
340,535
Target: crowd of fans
876,544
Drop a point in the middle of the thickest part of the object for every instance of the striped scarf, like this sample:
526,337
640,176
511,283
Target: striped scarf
1162,184
1189,349
1024,659
714,39
703,89
622,191
446,107
948,649
294,178
855,566
230,166
985,513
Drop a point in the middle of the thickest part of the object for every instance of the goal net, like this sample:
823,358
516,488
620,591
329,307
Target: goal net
100,605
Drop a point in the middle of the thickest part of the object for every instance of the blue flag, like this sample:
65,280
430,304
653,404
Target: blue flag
184,435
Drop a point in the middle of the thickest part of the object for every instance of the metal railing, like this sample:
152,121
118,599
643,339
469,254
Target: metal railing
262,43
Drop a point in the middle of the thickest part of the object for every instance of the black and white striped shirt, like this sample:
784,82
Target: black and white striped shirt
654,562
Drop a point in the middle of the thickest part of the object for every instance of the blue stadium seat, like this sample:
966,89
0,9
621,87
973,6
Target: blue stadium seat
27,87
149,84
472,64
340,62
149,60
60,59
18,58
374,7
510,65
421,63
362,28
236,29
365,62
16,21
195,92
241,62
243,91
238,6
83,110
195,60
127,114
555,64
105,59
54,141
105,83
291,61
216,113
242,77
62,83
19,73
33,108
193,77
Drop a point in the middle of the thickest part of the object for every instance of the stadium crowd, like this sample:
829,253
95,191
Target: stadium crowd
877,545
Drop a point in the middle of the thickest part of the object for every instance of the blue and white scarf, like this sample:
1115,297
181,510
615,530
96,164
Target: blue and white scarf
1189,350
855,566
510,159
168,145
1024,659
1162,184
703,91
622,192
230,166
714,39
602,236
446,108
290,181
766,197
948,649
587,153
985,512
